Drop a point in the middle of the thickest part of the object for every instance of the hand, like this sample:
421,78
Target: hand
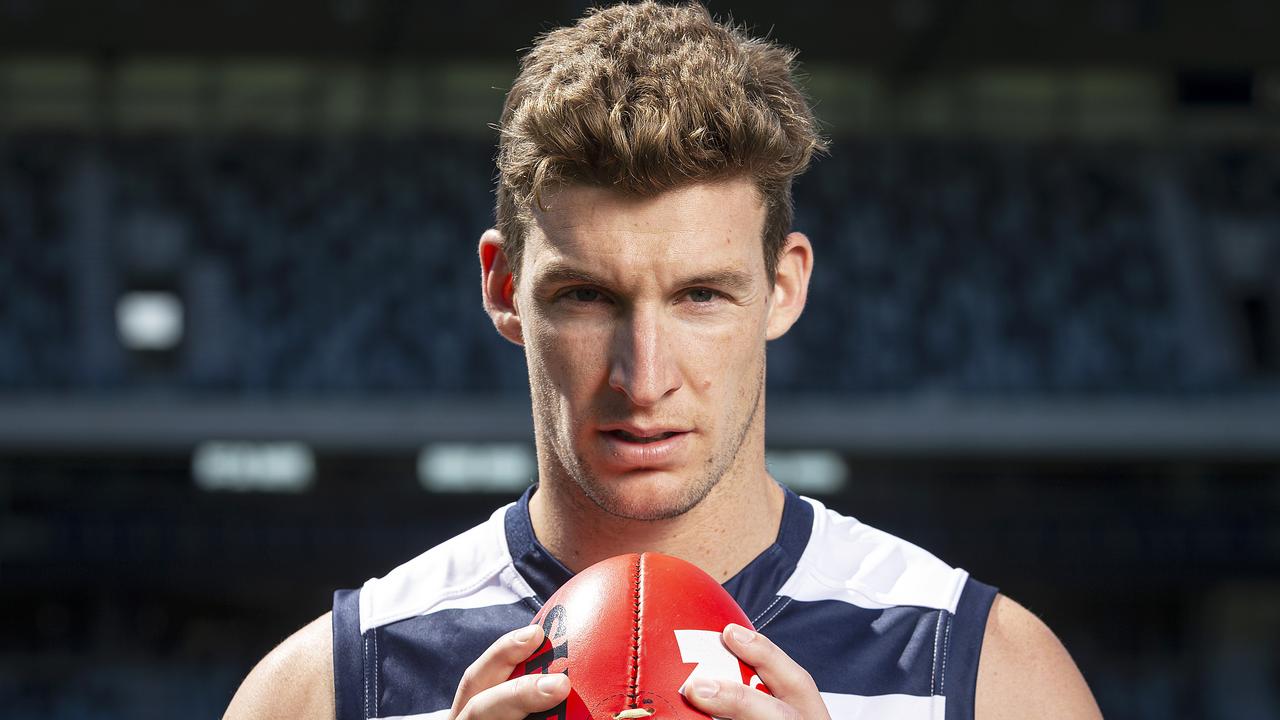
795,696
485,693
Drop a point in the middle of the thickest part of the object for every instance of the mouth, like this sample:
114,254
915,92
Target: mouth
630,447
642,439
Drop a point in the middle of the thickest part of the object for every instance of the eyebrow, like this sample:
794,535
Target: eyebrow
736,280
557,273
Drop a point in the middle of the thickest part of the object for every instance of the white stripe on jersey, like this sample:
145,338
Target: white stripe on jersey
880,707
849,561
471,570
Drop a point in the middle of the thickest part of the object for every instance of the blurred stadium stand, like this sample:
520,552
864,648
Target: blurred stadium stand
314,266
1043,337
971,272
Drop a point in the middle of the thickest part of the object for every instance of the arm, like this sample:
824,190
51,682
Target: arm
1025,673
294,680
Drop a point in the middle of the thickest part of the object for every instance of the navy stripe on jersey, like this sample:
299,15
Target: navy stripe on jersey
438,646
539,567
856,651
964,647
348,656
755,587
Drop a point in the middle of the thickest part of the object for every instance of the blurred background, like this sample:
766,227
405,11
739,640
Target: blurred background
243,360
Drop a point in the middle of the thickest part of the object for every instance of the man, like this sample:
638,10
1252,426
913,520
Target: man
643,258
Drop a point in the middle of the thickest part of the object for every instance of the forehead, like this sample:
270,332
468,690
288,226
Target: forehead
699,225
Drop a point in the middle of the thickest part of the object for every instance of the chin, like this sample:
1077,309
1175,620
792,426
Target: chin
645,495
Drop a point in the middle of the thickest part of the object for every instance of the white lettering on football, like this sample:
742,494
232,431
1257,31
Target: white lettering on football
713,659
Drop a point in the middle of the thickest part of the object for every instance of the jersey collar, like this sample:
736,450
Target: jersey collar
755,587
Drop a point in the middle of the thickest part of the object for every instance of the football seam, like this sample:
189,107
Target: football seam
634,670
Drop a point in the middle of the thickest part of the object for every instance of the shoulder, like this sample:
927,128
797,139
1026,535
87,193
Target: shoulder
846,559
473,569
1025,672
293,680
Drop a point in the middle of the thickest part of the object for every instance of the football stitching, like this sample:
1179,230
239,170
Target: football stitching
634,670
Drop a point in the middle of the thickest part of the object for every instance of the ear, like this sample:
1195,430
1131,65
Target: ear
497,285
790,285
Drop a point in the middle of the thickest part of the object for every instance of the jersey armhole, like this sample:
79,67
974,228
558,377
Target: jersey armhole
963,648
349,699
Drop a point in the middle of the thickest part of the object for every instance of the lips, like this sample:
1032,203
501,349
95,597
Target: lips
629,447
629,437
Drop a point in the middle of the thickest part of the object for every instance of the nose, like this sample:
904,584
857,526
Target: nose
642,366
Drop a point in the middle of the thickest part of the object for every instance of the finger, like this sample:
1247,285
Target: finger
496,663
727,699
518,698
783,676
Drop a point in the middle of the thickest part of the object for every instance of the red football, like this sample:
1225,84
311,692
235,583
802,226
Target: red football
629,632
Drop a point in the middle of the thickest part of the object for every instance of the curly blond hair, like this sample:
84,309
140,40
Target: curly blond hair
646,98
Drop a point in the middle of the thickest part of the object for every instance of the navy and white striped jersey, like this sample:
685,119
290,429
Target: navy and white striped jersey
885,629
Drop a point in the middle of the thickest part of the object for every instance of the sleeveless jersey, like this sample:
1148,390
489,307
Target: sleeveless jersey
885,629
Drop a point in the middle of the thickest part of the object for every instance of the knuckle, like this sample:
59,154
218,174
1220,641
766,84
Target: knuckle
483,704
515,690
734,693
512,649
783,710
510,654
466,712
761,647
776,656
523,693
469,676
504,647
479,706
807,679
768,647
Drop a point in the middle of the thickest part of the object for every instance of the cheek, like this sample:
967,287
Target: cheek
723,362
569,362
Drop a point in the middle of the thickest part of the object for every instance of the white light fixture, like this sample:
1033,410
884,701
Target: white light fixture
476,467
820,472
149,321
253,467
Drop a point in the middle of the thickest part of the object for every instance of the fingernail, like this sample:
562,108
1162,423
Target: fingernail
526,634
741,634
551,684
704,688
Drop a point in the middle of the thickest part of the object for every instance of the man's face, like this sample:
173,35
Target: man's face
644,322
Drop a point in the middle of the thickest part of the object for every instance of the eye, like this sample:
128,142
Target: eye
584,295
701,295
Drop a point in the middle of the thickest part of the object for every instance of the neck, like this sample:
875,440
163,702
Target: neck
724,532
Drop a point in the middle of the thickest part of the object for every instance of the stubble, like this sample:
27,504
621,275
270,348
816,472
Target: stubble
607,497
